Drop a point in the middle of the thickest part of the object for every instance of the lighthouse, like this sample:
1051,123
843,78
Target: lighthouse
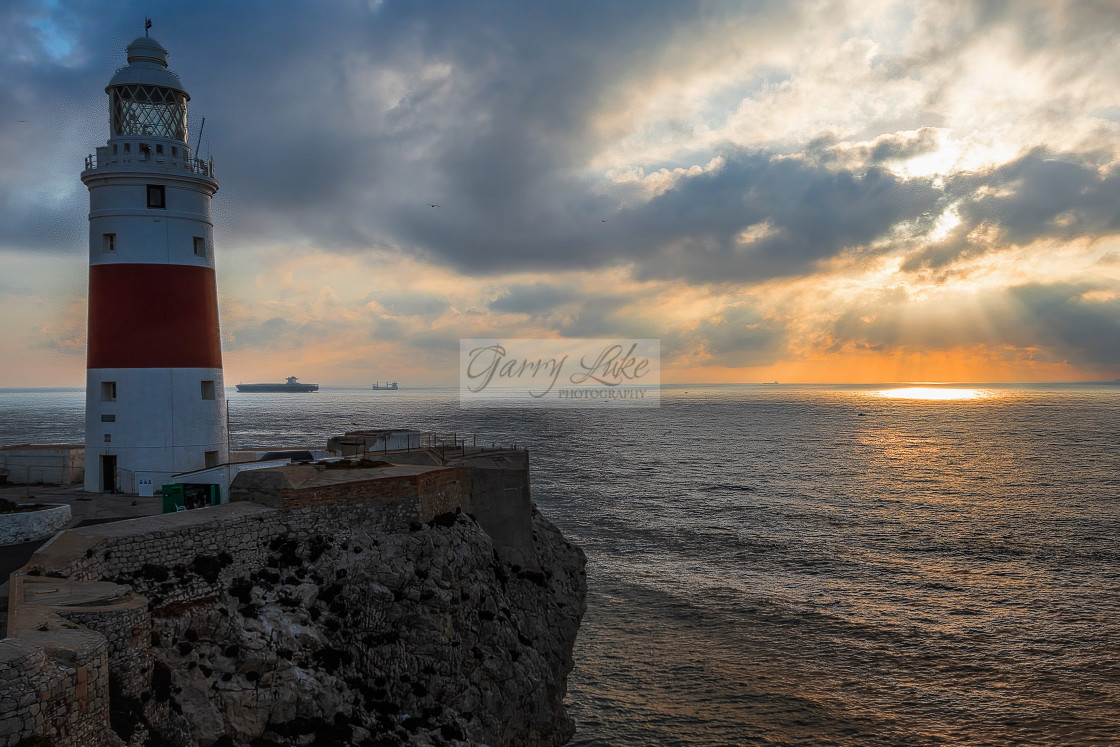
155,397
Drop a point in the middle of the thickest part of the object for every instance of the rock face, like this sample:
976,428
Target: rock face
363,637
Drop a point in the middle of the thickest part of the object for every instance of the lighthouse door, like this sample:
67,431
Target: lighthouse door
108,473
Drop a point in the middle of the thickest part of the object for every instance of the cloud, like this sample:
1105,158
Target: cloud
1069,318
811,214
274,333
886,149
532,299
426,305
706,158
48,104
739,336
1058,321
66,331
337,126
1046,195
1041,195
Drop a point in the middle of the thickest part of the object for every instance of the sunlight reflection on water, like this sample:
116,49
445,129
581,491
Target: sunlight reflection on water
933,393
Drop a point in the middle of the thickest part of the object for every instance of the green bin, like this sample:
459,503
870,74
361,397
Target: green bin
183,496
173,498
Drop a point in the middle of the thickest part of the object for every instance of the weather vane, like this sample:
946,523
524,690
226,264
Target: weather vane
147,25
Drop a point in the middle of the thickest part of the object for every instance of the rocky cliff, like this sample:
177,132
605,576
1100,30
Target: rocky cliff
365,622
362,637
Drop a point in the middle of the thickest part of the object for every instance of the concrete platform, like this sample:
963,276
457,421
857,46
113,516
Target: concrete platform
86,508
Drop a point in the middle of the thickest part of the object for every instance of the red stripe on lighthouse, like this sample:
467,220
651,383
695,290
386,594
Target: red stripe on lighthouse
153,316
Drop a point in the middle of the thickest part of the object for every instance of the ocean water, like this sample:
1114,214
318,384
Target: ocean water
799,565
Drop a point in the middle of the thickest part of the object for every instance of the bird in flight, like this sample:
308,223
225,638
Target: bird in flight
431,205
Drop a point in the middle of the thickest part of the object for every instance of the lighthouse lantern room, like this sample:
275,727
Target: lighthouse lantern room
155,396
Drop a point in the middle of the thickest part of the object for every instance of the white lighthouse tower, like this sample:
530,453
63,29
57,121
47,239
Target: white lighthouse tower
155,397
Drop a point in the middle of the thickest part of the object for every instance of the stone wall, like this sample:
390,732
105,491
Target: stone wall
499,488
67,588
443,492
55,684
126,625
389,490
405,499
125,547
28,526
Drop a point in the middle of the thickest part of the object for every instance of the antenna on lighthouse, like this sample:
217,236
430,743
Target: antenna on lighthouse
198,145
147,25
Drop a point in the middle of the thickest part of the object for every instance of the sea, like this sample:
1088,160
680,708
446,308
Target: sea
798,565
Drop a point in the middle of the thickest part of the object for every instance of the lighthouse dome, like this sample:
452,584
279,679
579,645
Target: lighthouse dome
147,65
146,49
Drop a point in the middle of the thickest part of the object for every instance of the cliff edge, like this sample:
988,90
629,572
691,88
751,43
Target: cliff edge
368,622
369,638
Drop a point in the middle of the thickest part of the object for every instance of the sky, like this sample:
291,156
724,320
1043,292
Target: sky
866,191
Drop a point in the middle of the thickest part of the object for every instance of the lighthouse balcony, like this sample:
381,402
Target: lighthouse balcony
143,155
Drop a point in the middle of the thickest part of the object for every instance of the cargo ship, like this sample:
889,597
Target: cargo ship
291,385
387,387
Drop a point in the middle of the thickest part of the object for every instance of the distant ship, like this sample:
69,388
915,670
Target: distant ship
292,385
387,387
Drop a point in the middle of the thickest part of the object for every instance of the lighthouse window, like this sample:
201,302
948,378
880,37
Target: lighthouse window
148,110
159,149
108,242
108,391
108,418
208,390
199,246
155,196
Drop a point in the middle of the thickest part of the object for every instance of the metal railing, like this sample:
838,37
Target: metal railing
194,165
467,443
447,444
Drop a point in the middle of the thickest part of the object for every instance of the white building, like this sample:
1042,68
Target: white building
30,464
155,395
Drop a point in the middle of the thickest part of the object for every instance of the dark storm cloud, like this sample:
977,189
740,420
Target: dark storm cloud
692,231
811,213
1059,315
337,124
48,98
488,109
346,124
1038,196
1047,195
